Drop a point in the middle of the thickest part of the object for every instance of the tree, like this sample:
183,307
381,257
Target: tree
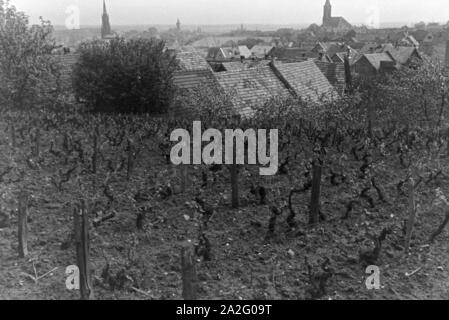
27,69
128,76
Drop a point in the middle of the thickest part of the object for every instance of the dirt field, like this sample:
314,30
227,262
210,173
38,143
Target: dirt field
244,265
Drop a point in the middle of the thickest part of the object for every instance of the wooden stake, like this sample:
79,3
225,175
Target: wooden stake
235,186
23,224
189,277
130,160
37,142
81,226
95,153
13,136
412,216
315,204
183,175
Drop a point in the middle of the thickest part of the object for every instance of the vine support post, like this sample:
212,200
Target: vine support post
23,224
12,131
81,226
189,276
235,186
315,202
183,176
412,216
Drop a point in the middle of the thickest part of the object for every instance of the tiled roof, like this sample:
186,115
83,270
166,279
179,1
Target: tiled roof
261,51
336,48
244,52
413,40
234,66
220,41
222,53
251,88
375,59
334,72
239,65
191,61
401,55
292,54
420,35
307,80
192,79
340,56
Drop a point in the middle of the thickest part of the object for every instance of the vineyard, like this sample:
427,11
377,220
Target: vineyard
92,207
344,198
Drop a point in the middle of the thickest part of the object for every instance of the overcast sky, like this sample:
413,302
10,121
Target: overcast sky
133,12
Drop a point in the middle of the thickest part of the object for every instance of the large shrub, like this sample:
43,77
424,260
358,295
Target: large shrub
126,76
28,71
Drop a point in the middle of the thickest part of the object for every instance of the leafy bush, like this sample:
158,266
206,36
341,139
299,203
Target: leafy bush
127,76
28,71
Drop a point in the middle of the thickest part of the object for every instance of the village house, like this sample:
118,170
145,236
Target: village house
228,53
305,80
237,65
371,64
291,54
352,55
193,71
335,74
403,56
252,88
261,51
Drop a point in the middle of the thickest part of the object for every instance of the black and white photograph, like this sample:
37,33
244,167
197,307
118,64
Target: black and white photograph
198,151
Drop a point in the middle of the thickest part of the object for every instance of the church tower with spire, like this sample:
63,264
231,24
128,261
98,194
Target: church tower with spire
105,25
327,12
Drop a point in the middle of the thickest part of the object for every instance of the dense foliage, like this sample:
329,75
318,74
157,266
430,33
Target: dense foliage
128,76
28,71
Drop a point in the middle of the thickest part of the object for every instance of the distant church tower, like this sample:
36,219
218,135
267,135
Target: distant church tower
178,25
327,12
105,25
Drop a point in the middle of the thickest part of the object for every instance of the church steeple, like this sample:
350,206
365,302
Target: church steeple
105,25
327,12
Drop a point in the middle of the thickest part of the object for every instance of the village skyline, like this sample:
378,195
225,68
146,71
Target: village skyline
266,15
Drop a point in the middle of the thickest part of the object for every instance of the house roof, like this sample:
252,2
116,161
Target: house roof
220,41
251,88
340,56
396,36
234,66
261,50
375,59
413,40
292,54
420,35
191,61
366,37
186,80
193,70
244,52
223,53
334,72
401,55
307,80
239,65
